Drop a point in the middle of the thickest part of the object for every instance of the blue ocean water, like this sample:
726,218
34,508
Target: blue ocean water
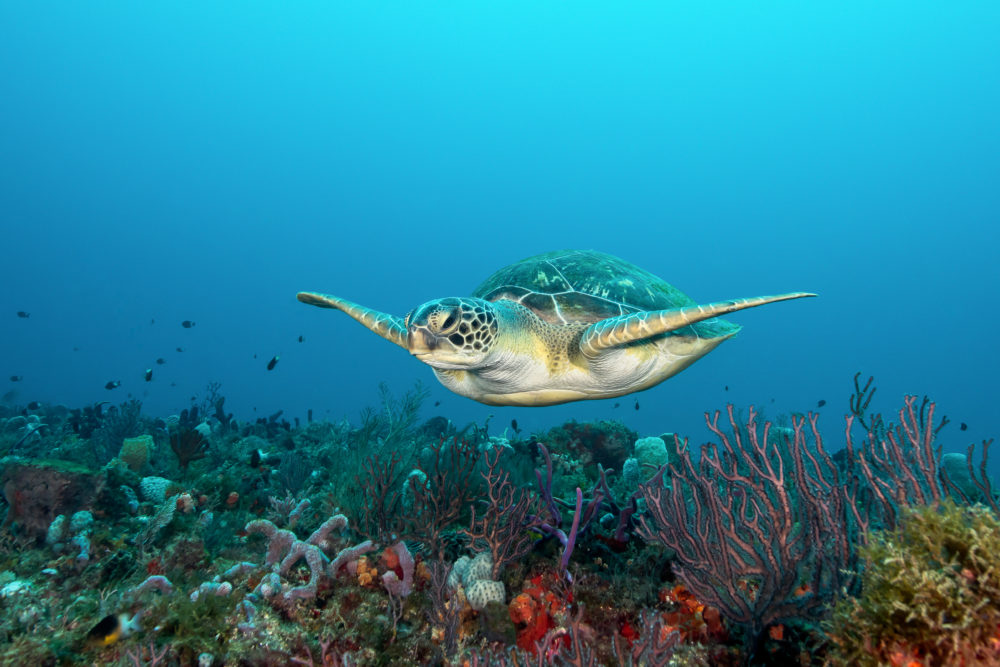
162,162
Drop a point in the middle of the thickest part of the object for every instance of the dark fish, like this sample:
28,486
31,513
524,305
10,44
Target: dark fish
173,384
148,374
161,361
255,458
107,631
76,349
271,364
112,628
302,339
617,405
23,314
153,321
180,349
34,405
437,403
637,405
963,427
113,384
187,324
727,387
513,425
16,378
821,403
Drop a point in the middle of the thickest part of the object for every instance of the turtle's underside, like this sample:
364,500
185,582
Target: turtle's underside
565,326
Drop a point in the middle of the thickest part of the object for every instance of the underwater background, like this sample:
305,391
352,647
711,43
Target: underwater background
203,162
206,162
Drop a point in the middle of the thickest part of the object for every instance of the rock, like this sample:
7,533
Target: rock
494,620
39,490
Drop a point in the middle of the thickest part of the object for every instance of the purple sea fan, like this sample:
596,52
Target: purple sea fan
759,523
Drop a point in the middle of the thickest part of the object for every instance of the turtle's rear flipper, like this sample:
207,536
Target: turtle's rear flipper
617,331
387,326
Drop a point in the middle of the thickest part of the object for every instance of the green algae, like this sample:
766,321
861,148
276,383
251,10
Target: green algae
930,592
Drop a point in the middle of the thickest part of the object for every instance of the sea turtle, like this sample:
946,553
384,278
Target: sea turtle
563,326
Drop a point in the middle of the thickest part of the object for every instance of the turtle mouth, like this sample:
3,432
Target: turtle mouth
441,358
443,365
438,351
421,344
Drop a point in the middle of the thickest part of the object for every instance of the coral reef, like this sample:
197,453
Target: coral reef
201,539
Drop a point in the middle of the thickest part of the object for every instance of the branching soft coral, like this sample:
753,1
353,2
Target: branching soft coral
930,593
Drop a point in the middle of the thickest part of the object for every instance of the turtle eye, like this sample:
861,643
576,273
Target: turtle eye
451,321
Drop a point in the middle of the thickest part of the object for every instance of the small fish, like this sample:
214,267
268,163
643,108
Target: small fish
513,425
255,458
180,349
76,349
148,375
302,339
617,405
112,628
173,384
963,427
23,315
821,403
161,361
153,321
107,631
113,384
16,378
34,405
437,403
271,364
637,405
727,387
187,324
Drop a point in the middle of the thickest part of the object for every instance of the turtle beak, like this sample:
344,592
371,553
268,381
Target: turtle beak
420,343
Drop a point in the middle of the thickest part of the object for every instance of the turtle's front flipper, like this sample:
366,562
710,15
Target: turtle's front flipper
616,331
387,326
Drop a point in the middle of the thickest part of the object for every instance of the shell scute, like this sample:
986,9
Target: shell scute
580,286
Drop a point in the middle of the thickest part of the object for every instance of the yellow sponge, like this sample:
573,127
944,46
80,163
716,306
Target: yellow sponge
135,452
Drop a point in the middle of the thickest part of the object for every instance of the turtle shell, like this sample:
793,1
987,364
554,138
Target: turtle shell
581,286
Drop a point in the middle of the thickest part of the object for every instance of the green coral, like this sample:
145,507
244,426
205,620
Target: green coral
135,452
930,593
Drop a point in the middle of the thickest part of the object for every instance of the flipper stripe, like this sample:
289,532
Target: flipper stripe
617,331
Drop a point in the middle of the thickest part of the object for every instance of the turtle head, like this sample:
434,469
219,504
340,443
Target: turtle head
452,333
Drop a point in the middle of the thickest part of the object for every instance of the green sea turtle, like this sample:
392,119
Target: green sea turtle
564,326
